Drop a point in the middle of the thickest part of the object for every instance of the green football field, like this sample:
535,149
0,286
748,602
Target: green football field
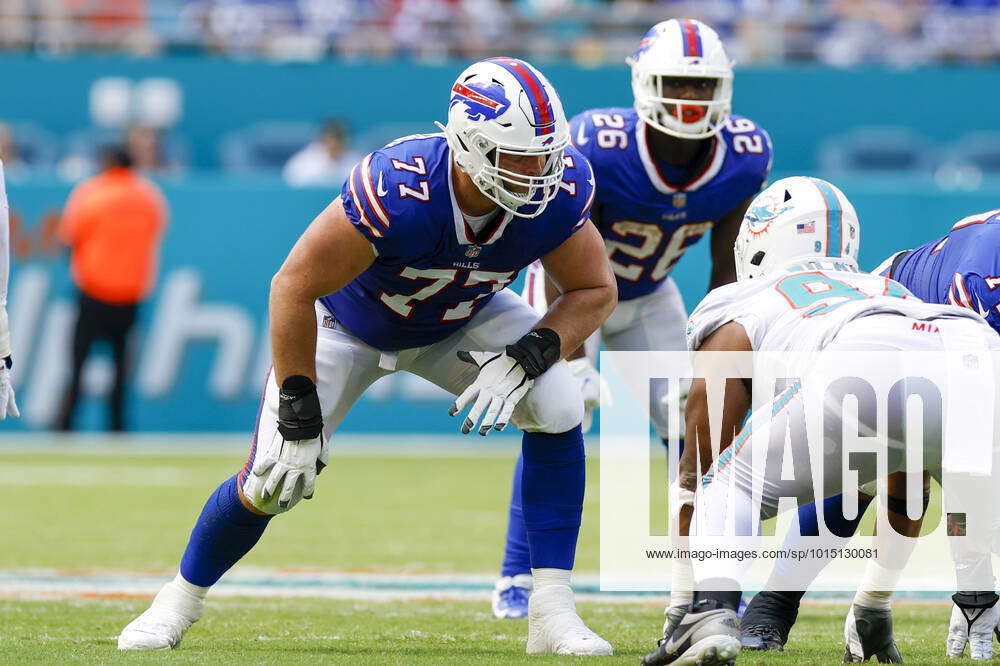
391,562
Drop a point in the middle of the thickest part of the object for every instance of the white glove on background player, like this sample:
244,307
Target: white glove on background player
499,386
590,388
979,635
7,402
285,468
504,377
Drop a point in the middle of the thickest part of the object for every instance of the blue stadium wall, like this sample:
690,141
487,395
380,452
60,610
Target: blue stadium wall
202,351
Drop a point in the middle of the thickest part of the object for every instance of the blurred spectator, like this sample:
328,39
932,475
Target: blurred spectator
865,31
152,150
15,24
963,30
144,144
9,154
113,224
325,161
24,146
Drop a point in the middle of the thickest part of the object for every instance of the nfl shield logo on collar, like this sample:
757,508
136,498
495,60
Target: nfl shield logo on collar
680,199
473,251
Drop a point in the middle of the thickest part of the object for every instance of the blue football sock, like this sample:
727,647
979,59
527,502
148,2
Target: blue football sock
833,515
225,532
515,555
552,486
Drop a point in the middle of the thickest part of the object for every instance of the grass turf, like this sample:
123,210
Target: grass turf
134,510
309,631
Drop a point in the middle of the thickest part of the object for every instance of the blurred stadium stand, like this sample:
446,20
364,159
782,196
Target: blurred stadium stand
26,146
235,87
264,146
836,32
980,150
877,149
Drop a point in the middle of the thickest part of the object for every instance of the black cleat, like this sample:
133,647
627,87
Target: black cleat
869,634
759,637
768,620
709,634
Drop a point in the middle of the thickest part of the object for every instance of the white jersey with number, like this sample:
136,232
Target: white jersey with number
803,310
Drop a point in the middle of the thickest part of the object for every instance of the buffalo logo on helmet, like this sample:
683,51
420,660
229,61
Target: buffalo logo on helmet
482,102
646,41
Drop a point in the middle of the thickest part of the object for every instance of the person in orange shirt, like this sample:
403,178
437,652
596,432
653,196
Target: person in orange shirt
113,224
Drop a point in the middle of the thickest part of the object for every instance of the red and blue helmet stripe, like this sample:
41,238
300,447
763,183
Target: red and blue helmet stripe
691,39
540,104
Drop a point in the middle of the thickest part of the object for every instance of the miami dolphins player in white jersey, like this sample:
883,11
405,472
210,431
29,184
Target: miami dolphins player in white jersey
406,270
668,171
960,268
799,289
8,405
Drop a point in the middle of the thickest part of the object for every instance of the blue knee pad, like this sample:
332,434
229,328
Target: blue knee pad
833,515
552,486
224,533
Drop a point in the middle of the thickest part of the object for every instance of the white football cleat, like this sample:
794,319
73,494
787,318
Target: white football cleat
162,626
555,628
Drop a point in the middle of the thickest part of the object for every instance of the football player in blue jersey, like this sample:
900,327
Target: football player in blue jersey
406,270
668,171
961,268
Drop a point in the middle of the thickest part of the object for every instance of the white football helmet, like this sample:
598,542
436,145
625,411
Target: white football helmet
794,221
505,107
681,48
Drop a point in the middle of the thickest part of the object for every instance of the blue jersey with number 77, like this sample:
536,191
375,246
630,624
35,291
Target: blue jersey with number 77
433,272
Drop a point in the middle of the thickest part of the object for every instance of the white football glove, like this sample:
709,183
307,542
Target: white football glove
7,402
285,468
499,386
590,388
978,634
284,472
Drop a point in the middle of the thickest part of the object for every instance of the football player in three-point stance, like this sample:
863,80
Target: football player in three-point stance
668,170
406,270
961,268
799,290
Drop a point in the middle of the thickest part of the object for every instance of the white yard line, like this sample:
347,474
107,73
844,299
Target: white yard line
284,583
275,583
212,444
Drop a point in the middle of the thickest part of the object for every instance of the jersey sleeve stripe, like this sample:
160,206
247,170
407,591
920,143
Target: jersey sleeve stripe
590,202
370,193
357,205
963,293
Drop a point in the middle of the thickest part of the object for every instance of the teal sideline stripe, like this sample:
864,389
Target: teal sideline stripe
834,218
409,586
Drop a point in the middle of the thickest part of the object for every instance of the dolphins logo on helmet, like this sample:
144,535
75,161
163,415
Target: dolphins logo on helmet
762,211
482,102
